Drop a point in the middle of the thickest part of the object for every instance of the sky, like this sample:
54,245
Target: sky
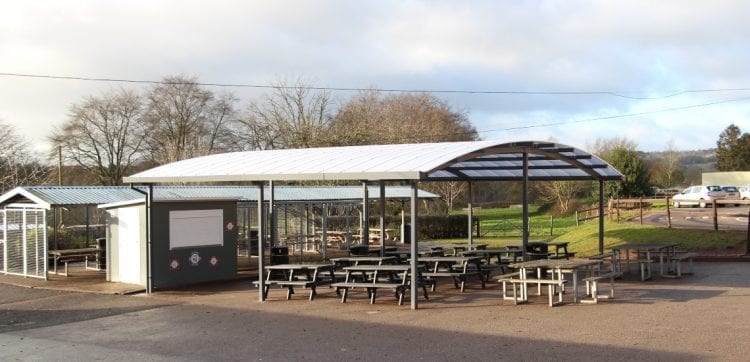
663,74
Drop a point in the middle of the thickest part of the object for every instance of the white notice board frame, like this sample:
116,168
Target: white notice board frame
194,228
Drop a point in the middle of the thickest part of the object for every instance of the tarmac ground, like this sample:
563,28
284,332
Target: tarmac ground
704,316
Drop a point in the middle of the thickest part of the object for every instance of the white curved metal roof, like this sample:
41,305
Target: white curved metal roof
479,160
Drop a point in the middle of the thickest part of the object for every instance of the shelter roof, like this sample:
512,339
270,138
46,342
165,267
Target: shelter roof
478,160
51,196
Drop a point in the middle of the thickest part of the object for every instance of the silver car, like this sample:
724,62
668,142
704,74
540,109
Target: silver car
733,193
701,196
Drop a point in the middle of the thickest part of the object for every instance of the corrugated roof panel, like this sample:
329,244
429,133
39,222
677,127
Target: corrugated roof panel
99,195
83,195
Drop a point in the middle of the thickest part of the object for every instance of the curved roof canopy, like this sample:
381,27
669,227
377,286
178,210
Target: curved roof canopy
479,160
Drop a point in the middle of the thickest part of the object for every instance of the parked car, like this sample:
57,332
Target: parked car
744,192
733,193
659,192
701,196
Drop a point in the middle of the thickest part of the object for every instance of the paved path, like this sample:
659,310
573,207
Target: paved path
700,317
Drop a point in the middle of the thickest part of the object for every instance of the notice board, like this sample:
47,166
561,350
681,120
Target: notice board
193,228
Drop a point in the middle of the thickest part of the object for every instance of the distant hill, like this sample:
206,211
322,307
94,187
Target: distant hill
693,163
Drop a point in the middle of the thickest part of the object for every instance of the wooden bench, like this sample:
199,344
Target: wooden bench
289,284
459,278
565,255
75,258
520,286
592,286
372,288
677,260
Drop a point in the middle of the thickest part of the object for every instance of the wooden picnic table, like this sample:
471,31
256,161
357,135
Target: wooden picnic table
404,254
69,255
357,260
457,248
559,267
374,277
503,256
543,249
300,275
665,251
457,267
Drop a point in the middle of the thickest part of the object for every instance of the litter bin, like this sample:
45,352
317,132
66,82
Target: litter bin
279,255
101,257
536,250
406,232
358,250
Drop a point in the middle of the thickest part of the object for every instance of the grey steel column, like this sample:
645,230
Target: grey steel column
382,218
601,216
149,251
525,201
272,215
414,254
471,215
261,244
365,215
324,232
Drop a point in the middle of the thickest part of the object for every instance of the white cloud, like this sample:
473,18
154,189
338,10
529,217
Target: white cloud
637,48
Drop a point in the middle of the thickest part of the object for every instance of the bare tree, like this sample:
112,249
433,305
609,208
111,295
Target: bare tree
184,120
103,135
449,191
290,117
370,118
19,164
667,171
561,193
602,147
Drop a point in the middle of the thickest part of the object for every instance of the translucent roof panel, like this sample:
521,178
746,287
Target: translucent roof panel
480,160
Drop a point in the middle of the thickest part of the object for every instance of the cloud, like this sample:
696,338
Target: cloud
635,48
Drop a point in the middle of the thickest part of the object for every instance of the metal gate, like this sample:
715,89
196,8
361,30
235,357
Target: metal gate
24,242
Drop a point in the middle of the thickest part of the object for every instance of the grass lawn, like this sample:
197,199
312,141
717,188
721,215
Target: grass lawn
584,240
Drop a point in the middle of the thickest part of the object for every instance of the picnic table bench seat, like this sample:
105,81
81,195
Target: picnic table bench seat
459,277
592,286
520,287
565,255
372,288
289,284
677,260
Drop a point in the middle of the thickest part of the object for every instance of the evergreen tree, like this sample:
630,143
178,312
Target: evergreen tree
733,150
635,174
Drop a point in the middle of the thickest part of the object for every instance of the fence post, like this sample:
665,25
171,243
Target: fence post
640,207
669,214
716,215
617,209
551,224
577,221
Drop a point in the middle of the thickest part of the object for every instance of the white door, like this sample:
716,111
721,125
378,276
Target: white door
129,250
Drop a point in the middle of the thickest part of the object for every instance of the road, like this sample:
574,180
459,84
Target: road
696,318
729,218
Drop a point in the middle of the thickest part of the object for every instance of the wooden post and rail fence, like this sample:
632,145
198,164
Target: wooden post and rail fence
616,207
